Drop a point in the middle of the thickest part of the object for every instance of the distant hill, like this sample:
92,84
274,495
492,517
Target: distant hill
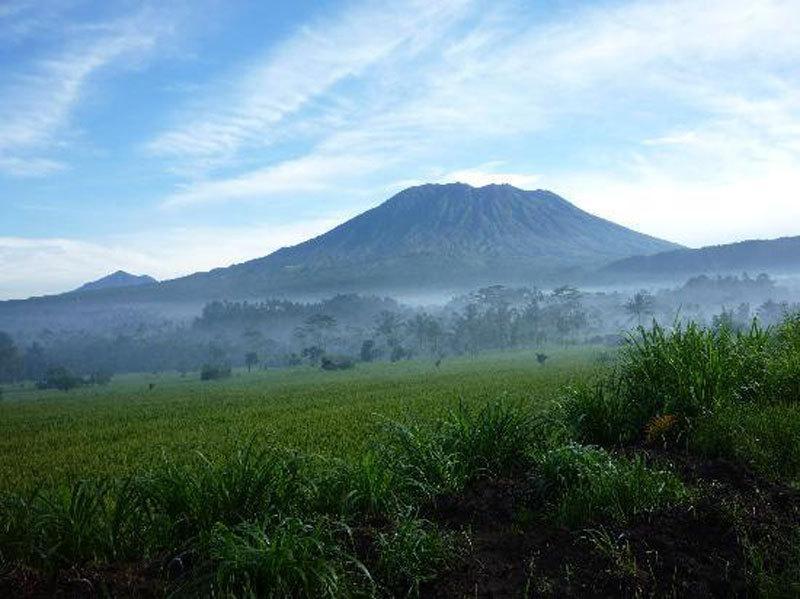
117,280
426,239
779,256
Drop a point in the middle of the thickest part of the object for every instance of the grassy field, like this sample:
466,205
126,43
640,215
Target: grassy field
51,437
673,473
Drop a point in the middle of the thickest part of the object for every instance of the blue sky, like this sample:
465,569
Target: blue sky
170,137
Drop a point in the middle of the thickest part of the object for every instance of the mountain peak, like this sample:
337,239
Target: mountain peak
116,280
454,234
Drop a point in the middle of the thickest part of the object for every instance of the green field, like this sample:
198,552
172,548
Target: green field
675,469
51,437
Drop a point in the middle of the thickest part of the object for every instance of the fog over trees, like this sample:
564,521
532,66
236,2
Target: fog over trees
338,331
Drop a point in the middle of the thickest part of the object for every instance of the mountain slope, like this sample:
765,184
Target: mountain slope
443,236
117,280
774,256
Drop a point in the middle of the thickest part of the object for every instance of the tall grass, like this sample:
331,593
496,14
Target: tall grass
584,485
716,392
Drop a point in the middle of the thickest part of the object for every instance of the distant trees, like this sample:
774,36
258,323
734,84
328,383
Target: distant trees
281,333
250,360
10,360
317,328
210,372
640,305
428,332
368,351
60,378
313,354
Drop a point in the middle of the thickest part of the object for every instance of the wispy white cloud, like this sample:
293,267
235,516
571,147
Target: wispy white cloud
30,167
301,176
498,76
299,70
36,102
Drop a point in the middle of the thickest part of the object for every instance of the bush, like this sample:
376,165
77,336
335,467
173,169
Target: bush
210,372
59,378
336,363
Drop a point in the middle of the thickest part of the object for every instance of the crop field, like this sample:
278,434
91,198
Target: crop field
51,437
670,469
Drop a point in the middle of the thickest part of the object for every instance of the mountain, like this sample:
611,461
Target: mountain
450,236
431,239
778,256
117,280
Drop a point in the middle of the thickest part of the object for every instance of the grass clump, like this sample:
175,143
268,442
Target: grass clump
582,485
685,373
765,438
288,558
495,440
189,499
413,553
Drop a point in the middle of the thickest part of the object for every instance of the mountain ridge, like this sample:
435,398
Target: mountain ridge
779,256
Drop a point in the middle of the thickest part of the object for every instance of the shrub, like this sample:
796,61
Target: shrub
59,378
336,363
210,372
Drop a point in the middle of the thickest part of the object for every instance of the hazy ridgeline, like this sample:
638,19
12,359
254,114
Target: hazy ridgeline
348,328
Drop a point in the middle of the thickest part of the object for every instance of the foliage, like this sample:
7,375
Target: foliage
329,362
585,484
60,378
414,552
211,372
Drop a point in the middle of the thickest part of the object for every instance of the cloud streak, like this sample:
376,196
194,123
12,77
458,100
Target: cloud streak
499,76
36,105
299,70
